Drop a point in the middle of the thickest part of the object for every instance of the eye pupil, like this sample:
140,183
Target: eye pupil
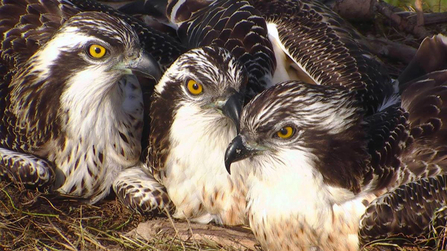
283,131
195,86
97,50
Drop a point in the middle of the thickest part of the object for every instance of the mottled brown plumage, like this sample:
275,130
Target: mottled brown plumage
234,25
308,188
326,48
71,109
241,27
411,212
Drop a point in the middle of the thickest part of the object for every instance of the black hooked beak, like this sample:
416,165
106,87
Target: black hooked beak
233,107
146,65
236,151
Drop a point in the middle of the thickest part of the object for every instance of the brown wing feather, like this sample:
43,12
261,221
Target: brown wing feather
159,142
426,102
328,48
27,24
410,211
387,131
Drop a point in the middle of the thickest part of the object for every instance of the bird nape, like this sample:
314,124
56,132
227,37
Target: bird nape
71,110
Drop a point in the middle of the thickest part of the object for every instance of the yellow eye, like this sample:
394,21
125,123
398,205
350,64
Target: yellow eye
194,88
97,51
285,132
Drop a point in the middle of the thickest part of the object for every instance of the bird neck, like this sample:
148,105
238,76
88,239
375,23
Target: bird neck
91,107
282,179
198,140
297,202
104,134
198,129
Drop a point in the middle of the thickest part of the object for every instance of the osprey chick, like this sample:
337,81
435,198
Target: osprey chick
194,113
316,160
71,110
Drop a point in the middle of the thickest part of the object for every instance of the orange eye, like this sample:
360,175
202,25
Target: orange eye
194,88
285,132
97,51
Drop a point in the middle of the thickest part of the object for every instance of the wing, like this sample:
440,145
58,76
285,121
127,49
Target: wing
407,141
327,48
387,133
234,25
139,191
152,13
26,169
409,212
26,25
159,142
425,100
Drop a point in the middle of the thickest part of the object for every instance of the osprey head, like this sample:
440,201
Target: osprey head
293,124
93,47
209,80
